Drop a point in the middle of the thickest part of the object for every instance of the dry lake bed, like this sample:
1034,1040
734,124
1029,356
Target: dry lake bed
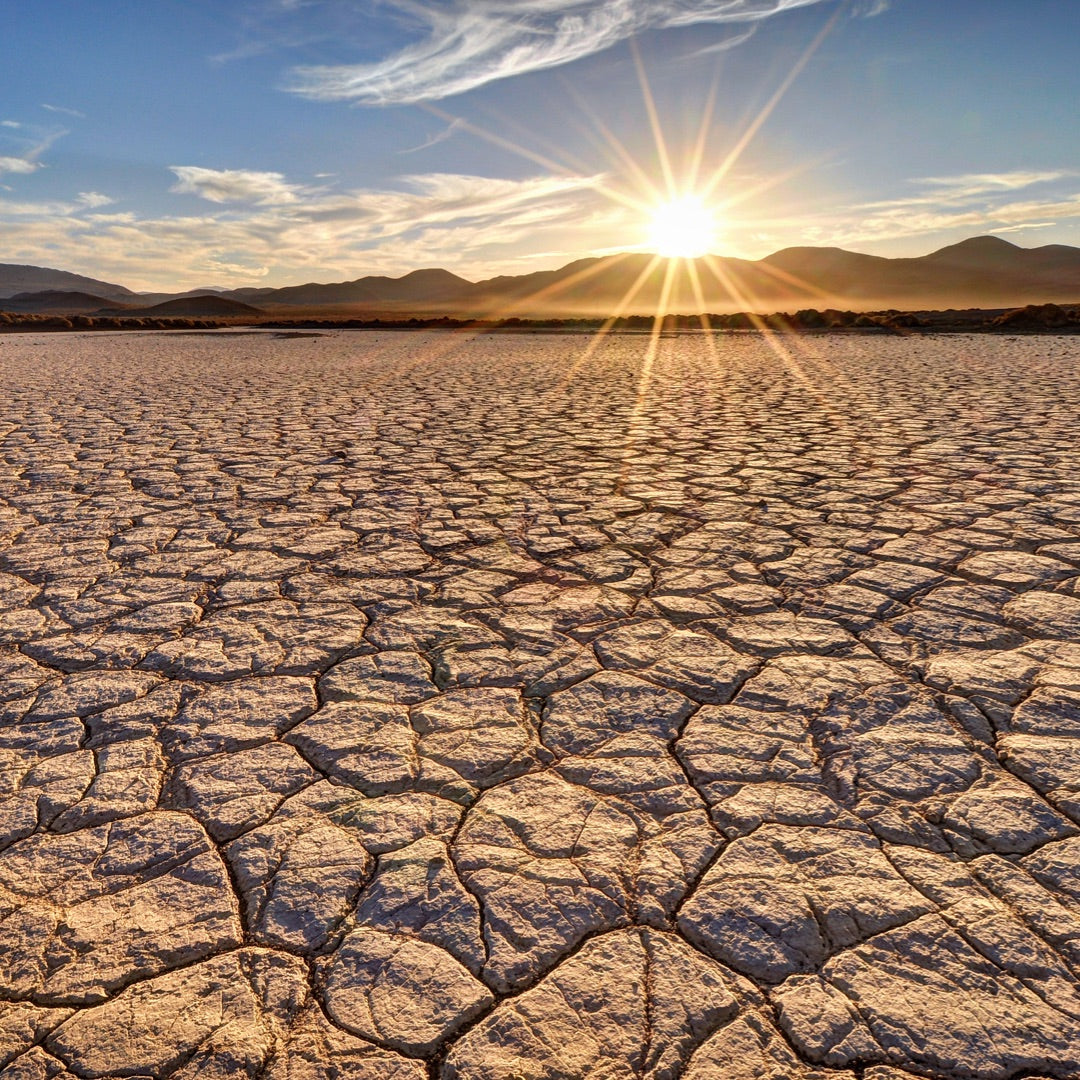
390,706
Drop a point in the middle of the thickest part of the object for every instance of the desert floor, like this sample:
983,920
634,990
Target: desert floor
390,706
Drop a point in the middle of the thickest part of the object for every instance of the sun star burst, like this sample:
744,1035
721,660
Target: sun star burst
682,228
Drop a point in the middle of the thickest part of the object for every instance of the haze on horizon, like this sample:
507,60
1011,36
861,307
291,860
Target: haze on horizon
271,142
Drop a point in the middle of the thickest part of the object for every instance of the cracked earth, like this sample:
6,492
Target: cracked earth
403,706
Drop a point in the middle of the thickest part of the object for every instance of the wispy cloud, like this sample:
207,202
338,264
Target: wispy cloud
26,159
10,124
1026,226
964,204
727,43
974,192
234,185
62,109
969,184
447,132
264,26
473,42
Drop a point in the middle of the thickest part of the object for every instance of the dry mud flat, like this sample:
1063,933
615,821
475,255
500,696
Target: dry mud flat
411,706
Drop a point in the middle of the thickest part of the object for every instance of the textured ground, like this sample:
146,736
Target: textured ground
406,706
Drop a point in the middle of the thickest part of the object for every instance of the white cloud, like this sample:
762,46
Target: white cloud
234,185
473,42
17,165
92,200
237,269
10,124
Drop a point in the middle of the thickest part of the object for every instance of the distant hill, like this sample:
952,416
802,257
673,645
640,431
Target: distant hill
421,286
56,300
983,272
221,307
16,279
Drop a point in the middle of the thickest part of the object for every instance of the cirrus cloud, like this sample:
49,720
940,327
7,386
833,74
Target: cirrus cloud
473,42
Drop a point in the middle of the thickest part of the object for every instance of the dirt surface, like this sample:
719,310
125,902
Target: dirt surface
414,705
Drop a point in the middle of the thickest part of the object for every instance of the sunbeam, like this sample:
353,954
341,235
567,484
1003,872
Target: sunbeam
598,338
680,215
758,122
644,384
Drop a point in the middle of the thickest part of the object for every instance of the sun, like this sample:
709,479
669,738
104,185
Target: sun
682,228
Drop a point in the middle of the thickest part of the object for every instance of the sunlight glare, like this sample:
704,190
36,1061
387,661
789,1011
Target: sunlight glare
682,228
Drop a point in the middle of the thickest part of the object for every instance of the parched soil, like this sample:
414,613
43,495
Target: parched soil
400,706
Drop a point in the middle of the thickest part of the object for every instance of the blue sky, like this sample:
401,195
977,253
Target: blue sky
243,142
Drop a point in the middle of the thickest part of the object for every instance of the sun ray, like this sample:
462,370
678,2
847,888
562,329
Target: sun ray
683,221
766,111
703,315
640,177
697,154
654,122
498,140
637,204
747,192
778,348
645,378
785,276
609,323
555,287
558,151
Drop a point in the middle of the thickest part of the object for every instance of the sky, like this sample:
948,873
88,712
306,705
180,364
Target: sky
190,143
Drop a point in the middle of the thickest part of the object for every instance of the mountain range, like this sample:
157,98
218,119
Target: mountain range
984,271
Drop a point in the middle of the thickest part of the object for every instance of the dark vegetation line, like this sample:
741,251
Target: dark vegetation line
1034,318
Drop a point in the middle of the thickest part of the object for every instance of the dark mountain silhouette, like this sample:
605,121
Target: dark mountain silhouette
15,278
421,286
56,300
212,306
983,272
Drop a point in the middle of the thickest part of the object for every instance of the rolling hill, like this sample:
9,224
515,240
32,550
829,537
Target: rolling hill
15,279
58,301
213,306
981,272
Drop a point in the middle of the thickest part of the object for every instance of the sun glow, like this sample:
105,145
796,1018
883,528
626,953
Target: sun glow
682,228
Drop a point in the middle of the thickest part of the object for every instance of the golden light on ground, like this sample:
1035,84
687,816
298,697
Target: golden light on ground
682,228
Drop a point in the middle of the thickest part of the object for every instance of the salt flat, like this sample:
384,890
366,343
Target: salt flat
406,705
